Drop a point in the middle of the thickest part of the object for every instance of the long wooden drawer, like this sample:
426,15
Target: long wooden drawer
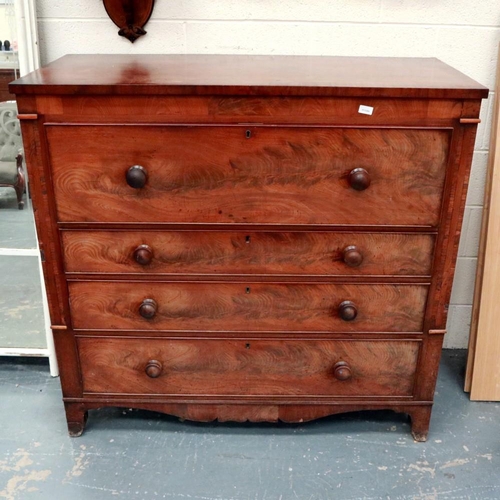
247,367
229,252
254,174
247,306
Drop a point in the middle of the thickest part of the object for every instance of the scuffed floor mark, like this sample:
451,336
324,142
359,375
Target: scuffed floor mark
455,463
19,484
463,461
21,458
428,496
423,467
17,312
81,463
107,490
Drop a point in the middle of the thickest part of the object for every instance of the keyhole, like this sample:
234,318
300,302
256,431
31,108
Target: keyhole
248,289
247,346
248,134
247,239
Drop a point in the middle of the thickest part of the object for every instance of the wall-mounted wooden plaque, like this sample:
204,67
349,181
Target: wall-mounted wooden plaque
130,16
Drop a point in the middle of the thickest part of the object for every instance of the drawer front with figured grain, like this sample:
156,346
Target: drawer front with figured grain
247,306
257,174
247,367
228,252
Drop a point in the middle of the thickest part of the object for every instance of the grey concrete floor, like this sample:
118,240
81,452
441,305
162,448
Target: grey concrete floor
17,227
21,308
141,455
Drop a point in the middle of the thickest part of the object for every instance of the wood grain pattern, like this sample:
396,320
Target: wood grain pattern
246,306
446,254
265,367
249,75
48,242
248,174
229,412
247,253
208,184
248,109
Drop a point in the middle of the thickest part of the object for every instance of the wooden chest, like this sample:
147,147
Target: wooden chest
248,238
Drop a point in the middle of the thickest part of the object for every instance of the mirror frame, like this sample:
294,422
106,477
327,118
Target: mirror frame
27,36
29,60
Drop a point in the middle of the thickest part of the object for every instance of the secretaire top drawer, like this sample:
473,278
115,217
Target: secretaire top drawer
254,174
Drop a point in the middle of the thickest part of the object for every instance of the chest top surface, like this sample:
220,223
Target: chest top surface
250,75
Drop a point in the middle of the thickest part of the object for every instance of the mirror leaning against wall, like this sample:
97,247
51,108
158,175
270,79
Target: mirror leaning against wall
24,321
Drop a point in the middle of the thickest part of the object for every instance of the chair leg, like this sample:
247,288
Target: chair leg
19,192
21,183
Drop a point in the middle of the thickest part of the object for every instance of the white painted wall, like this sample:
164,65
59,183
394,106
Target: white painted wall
7,26
462,33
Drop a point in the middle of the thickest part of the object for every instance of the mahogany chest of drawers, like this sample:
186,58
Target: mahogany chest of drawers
248,238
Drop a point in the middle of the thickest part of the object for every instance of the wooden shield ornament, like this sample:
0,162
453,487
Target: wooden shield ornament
130,16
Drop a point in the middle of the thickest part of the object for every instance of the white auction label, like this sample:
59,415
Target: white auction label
365,110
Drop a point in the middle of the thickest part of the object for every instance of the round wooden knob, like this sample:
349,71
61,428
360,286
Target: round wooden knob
342,371
136,177
143,255
359,179
153,368
352,256
148,308
348,310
